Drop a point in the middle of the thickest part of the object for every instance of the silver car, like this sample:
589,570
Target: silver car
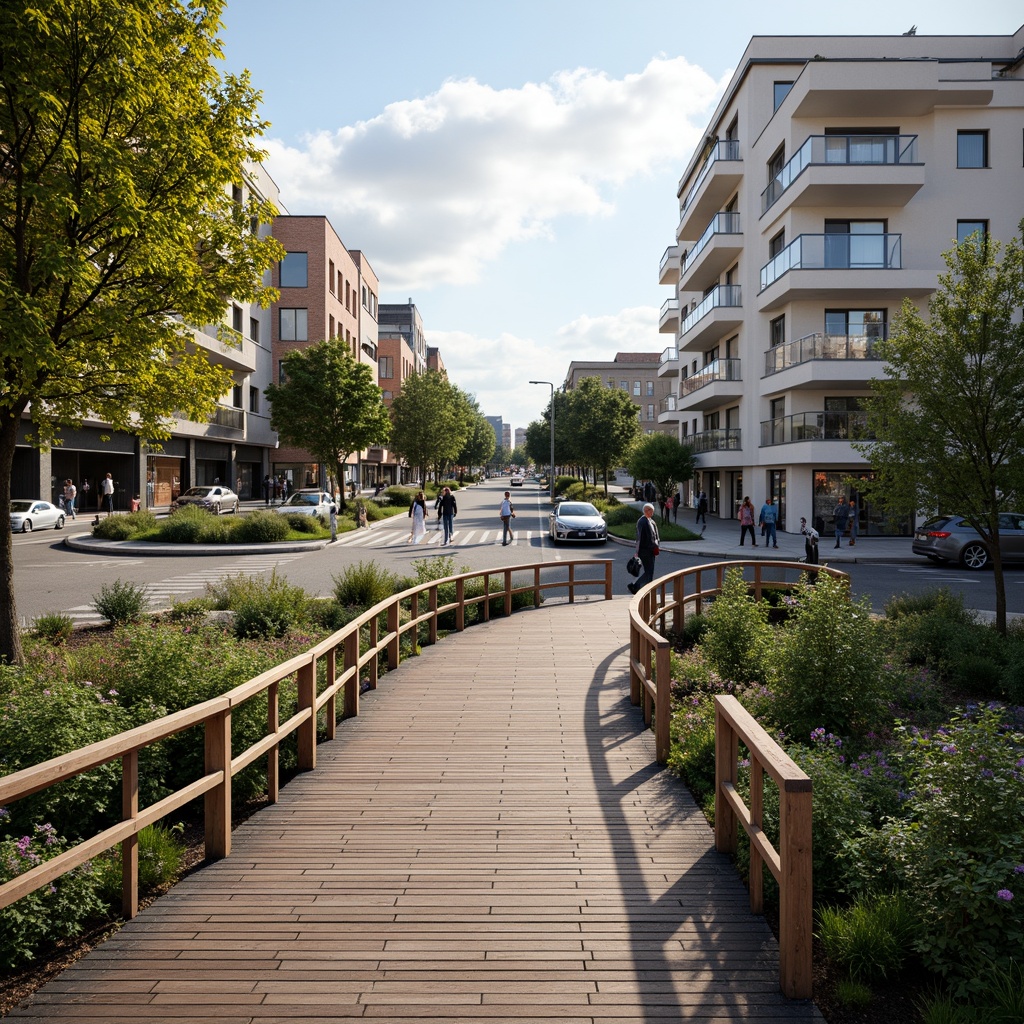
308,502
28,514
215,498
953,539
577,521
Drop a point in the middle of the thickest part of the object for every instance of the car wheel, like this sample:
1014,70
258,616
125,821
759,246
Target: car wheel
216,509
60,523
26,527
974,556
234,510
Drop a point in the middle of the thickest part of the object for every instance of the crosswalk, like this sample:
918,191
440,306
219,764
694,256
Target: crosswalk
462,538
191,584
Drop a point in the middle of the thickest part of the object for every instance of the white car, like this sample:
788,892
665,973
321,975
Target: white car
28,514
215,498
517,479
308,502
577,521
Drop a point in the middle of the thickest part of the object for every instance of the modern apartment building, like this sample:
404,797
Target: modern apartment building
326,291
833,175
236,445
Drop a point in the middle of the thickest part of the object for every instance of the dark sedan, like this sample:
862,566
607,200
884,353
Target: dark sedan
953,539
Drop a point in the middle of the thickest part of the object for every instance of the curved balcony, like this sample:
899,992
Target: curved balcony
668,409
716,181
712,318
823,360
815,426
668,318
716,383
720,439
668,269
716,249
669,362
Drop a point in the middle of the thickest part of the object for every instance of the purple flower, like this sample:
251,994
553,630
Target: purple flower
1019,869
949,748
1004,894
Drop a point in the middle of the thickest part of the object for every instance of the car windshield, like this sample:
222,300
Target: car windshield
935,523
197,492
577,508
304,499
20,506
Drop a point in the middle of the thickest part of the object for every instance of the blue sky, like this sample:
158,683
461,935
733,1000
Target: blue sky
512,167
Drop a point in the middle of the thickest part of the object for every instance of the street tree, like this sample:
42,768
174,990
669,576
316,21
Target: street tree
480,442
661,459
120,144
948,418
328,404
602,424
428,421
538,434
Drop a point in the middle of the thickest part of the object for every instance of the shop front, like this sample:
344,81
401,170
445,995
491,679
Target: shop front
833,485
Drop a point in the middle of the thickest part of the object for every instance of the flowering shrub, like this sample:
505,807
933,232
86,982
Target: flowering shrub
738,636
55,911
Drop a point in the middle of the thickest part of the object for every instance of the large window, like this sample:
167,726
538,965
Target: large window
294,272
966,228
386,367
294,325
636,388
855,244
777,331
972,149
861,323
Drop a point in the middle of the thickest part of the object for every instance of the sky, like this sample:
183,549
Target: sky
512,167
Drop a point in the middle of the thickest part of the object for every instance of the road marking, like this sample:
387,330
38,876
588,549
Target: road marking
934,572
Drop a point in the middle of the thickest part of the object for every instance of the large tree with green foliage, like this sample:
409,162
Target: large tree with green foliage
119,145
430,421
602,424
328,404
661,459
948,417
480,441
538,434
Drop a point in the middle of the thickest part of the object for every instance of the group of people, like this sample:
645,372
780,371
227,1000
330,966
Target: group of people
447,509
68,499
274,488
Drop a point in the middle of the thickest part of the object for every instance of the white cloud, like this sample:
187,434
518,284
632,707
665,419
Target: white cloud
434,188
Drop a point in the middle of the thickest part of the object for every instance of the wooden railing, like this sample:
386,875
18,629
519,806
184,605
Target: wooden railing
663,604
350,657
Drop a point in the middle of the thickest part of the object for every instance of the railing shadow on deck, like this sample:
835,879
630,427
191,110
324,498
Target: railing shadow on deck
351,659
663,604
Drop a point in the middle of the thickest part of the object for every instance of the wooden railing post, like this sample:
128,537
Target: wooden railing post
756,822
635,640
726,754
306,735
130,846
331,707
460,604
572,582
374,664
273,755
508,592
608,593
394,654
795,890
663,702
432,629
217,802
536,586
351,656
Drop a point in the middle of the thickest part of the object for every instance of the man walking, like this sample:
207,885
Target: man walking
507,513
449,509
702,510
70,493
810,542
841,514
767,519
107,493
647,541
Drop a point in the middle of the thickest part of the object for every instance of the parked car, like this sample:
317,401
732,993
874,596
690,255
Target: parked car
953,539
577,521
517,479
28,514
215,498
308,502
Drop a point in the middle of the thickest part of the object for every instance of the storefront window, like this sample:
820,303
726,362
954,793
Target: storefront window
872,521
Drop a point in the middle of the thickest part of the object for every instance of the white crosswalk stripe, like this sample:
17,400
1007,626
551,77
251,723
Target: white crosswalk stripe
434,538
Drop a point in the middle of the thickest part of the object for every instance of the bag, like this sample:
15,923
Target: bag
634,566
657,550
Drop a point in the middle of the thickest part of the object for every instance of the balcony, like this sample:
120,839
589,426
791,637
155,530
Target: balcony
716,383
668,270
823,360
712,318
668,318
715,251
815,426
716,181
668,409
849,171
668,365
720,439
226,347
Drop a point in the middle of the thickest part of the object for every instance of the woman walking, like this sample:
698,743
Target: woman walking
746,518
418,514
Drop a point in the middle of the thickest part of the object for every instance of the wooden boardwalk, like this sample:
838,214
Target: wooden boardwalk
491,840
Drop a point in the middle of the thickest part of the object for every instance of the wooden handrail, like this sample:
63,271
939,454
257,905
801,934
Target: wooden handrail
340,650
667,600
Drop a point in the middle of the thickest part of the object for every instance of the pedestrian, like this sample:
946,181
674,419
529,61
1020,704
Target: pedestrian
853,522
284,489
746,518
702,510
418,514
107,492
810,544
768,519
85,493
437,509
675,505
841,516
334,522
70,493
268,490
647,547
507,513
449,510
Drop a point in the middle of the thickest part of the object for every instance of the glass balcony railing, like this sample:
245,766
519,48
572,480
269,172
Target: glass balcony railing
668,307
720,295
667,256
721,224
823,346
724,149
718,369
670,355
815,426
832,150
668,404
225,416
721,439
836,251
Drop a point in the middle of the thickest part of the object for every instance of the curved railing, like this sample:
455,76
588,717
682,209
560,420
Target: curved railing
350,657
667,601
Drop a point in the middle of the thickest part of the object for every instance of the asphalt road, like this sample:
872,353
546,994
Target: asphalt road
49,577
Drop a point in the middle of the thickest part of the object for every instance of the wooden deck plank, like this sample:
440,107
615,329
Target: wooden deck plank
491,840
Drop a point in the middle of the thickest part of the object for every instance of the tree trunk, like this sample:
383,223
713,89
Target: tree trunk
1000,584
10,634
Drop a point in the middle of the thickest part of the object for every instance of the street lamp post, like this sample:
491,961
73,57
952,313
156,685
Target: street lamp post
551,470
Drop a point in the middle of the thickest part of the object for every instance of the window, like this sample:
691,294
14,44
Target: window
650,412
650,389
236,318
855,323
281,377
636,388
777,331
966,228
776,163
972,149
611,382
293,324
254,329
624,385
294,270
236,396
330,275
386,395
777,244
855,244
386,367
780,92
254,399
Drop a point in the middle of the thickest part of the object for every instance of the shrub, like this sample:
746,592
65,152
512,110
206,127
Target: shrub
125,527
400,496
871,938
217,530
364,585
620,515
563,483
190,611
263,607
261,527
738,635
120,602
56,627
161,855
373,511
303,524
184,525
55,911
829,663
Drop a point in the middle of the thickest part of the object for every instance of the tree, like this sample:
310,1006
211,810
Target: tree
948,419
428,422
662,460
118,229
602,425
328,404
480,442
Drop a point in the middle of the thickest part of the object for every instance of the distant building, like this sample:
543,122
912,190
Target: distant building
520,437
499,432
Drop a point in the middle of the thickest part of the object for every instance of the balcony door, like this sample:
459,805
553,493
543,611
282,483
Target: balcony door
855,244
